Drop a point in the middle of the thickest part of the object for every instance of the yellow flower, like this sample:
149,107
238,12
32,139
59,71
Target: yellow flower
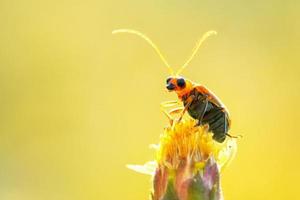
188,163
184,140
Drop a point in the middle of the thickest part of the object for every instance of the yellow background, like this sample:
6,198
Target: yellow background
77,103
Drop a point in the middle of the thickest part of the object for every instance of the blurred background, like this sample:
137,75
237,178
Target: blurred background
77,104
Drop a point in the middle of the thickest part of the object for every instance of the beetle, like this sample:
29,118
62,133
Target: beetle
201,103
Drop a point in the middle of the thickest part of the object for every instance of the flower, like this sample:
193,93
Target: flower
188,163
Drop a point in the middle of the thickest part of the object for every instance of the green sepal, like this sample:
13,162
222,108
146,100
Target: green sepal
196,189
206,185
170,192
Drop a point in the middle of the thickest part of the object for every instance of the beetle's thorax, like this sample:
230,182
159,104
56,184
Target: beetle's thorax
185,91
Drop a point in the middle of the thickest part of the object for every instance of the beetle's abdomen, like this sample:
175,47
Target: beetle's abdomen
218,123
214,116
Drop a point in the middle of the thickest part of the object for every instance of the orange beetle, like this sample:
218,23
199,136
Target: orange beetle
201,104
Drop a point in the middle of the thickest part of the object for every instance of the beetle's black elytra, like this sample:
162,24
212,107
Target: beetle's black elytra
208,113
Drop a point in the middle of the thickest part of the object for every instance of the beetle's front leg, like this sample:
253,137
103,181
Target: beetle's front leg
167,104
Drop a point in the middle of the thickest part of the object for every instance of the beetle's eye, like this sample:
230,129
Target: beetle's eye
181,82
168,80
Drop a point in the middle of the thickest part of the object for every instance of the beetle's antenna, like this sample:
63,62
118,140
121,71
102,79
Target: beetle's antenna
196,48
150,42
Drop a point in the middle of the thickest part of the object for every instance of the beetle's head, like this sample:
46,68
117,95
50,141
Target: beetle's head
179,84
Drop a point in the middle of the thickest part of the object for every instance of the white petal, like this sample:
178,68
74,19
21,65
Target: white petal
148,168
227,154
154,146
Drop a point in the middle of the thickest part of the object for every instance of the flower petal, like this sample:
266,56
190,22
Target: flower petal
154,146
148,168
227,154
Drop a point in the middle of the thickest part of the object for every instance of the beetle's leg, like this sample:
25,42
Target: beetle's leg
203,112
176,110
189,102
165,105
172,112
168,116
234,136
